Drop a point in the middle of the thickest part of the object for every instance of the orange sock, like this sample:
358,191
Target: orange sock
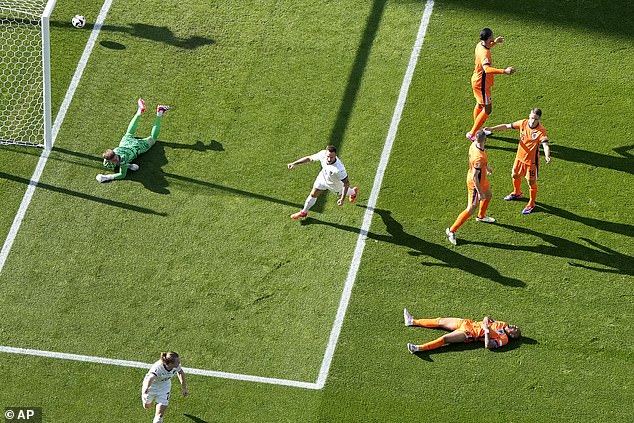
427,323
484,205
433,344
479,121
517,185
462,218
476,111
533,195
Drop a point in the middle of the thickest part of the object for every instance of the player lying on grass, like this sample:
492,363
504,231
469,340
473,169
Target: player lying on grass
157,383
494,334
333,177
130,147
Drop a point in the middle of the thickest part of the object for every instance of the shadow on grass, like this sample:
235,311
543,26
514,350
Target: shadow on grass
603,16
613,261
354,81
194,418
625,163
82,195
468,346
154,179
420,247
614,227
149,32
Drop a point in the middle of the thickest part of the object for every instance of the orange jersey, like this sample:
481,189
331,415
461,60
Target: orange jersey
477,161
474,332
530,138
480,79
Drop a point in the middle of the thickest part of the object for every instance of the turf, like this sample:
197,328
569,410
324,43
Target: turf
195,252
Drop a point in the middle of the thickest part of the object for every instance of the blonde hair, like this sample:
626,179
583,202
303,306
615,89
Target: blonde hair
169,357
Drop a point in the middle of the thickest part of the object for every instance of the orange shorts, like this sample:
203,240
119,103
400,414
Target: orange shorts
482,95
472,193
527,170
467,327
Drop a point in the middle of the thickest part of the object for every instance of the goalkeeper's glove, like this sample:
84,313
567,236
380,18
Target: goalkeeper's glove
133,166
104,178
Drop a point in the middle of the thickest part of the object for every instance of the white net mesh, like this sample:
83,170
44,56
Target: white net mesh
21,72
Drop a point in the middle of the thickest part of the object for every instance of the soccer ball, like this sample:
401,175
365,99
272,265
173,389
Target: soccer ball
78,21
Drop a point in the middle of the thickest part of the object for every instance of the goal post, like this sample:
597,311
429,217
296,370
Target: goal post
25,73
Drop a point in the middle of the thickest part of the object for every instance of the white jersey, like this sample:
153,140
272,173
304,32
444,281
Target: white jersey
162,376
331,174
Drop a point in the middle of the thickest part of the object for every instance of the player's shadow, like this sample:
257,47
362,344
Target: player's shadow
477,345
613,261
150,173
625,163
447,257
199,145
149,32
82,195
194,418
355,78
614,227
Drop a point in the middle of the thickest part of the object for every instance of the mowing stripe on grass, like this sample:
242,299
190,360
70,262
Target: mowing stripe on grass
354,265
138,364
374,195
37,174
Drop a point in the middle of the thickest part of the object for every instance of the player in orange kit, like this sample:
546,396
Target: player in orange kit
482,79
478,187
532,135
494,334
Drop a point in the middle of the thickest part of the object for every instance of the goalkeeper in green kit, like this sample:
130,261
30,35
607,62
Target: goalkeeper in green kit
131,147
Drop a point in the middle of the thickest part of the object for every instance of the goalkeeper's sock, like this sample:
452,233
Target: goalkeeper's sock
310,201
156,129
134,123
427,323
433,344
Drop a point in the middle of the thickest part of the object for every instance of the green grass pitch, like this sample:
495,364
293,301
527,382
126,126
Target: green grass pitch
196,253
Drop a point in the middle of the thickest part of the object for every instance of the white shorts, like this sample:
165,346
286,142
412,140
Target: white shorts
159,396
321,184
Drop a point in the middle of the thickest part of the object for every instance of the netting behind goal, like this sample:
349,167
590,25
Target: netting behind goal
25,72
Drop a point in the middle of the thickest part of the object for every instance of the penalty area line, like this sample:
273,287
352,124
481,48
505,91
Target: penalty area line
374,195
140,365
37,174
356,258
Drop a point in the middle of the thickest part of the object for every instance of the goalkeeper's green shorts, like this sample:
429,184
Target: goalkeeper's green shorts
138,145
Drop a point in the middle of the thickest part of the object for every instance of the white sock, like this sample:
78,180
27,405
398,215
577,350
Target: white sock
158,419
310,201
350,192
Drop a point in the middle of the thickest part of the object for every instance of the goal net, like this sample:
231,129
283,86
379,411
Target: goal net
25,92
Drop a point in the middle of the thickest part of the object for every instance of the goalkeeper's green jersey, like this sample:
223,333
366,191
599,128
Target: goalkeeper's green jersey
128,150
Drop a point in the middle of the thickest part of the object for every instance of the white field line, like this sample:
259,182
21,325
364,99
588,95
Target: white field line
37,174
374,195
137,364
352,272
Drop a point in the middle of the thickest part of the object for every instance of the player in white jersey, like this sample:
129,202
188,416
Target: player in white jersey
333,177
157,383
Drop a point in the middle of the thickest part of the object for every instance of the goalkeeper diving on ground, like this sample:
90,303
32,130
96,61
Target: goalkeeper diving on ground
130,147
